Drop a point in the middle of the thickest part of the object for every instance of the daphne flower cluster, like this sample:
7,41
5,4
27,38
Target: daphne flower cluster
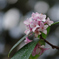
37,23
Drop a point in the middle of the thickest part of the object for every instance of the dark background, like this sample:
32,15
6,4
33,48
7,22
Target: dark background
12,15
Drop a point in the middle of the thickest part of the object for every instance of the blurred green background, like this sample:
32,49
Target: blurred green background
12,15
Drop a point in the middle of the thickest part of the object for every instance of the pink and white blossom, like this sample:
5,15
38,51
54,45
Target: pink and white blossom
49,22
27,40
37,23
39,49
39,17
27,32
43,27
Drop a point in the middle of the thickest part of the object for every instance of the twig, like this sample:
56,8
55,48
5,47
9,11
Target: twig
53,46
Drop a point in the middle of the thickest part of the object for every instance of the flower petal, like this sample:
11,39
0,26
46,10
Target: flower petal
27,40
45,31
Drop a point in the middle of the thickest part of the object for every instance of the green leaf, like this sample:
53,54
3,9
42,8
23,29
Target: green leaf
48,30
34,57
26,51
17,44
38,36
42,42
55,23
44,35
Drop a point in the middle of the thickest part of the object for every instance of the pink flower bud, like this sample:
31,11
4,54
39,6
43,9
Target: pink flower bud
27,40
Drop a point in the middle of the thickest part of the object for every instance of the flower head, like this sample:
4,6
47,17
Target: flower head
37,23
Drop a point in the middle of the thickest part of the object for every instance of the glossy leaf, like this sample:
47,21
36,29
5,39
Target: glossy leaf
17,44
42,42
34,57
48,30
26,51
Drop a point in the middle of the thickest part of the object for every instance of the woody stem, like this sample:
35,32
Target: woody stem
53,46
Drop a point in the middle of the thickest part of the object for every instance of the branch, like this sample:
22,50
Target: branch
53,46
